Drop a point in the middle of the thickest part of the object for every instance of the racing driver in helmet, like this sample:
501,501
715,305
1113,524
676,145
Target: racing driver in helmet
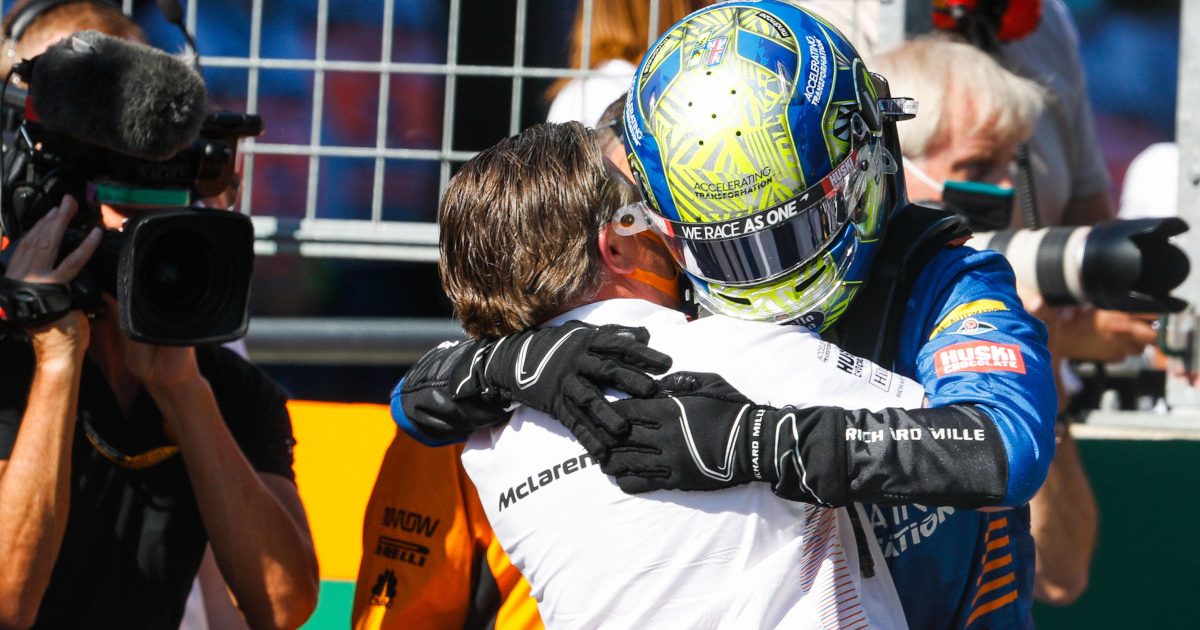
762,147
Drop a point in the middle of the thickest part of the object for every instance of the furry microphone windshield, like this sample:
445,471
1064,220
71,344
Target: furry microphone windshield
130,98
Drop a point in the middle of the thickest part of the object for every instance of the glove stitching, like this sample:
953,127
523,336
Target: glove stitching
426,385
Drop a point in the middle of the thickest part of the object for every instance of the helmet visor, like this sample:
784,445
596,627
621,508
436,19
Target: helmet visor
772,242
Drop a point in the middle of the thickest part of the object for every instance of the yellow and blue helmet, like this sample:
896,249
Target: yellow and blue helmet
754,134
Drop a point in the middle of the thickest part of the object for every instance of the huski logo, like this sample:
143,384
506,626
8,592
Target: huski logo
849,363
979,356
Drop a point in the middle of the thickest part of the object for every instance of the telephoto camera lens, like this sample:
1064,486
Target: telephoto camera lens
1121,265
184,277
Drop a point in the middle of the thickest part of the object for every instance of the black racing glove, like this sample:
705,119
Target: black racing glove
699,433
564,372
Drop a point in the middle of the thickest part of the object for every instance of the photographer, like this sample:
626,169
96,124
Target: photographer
958,152
120,461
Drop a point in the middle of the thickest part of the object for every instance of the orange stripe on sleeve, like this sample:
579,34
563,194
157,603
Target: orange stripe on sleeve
1006,579
1002,561
996,544
999,602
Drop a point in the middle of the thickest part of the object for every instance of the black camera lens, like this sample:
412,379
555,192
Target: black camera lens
1124,265
179,270
184,277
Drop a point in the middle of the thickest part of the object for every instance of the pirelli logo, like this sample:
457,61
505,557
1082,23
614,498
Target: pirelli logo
401,550
979,356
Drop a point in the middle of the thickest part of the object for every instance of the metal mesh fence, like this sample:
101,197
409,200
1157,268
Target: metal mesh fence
374,236
370,234
310,65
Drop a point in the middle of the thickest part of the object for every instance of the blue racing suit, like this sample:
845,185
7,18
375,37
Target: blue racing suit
966,338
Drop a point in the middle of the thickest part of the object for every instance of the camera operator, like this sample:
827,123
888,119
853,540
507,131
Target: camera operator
959,151
120,460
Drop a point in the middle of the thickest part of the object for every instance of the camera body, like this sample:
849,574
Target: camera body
180,275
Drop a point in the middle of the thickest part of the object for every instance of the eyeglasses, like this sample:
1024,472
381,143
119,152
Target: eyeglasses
617,128
150,458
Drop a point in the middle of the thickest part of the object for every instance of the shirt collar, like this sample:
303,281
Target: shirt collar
624,311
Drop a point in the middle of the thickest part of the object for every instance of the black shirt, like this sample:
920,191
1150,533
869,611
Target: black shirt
134,538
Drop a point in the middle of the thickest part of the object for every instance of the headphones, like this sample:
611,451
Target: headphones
20,20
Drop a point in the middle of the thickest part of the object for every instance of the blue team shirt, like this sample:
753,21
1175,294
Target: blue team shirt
967,339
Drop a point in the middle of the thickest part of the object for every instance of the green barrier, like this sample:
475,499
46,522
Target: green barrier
1144,574
333,606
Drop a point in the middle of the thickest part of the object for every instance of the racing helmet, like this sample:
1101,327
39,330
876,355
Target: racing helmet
755,136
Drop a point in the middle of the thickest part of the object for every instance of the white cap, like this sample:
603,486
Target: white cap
1151,186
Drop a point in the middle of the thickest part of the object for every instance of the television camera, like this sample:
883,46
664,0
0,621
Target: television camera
112,122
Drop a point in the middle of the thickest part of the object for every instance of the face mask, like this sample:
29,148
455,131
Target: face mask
986,207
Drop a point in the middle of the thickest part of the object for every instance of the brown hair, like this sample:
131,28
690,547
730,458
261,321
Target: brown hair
71,17
520,225
619,31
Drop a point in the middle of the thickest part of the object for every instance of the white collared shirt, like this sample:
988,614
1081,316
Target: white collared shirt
734,558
